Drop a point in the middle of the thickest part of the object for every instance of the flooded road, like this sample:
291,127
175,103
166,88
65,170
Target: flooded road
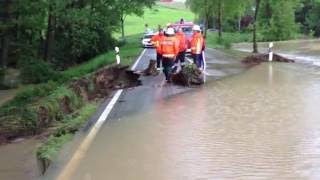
260,124
18,160
305,51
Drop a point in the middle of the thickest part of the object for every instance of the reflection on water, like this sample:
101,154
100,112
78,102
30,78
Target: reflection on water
262,124
307,51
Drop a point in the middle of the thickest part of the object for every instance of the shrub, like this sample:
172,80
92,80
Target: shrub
36,71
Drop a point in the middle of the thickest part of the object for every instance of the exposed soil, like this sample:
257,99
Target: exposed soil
99,85
151,70
104,81
259,58
188,76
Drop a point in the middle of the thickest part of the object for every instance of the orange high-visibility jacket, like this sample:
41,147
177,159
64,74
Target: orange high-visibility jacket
197,43
156,40
182,41
170,47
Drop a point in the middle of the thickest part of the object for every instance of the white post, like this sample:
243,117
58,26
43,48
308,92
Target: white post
204,66
117,54
270,52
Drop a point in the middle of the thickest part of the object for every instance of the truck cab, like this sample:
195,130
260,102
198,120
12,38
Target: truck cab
187,29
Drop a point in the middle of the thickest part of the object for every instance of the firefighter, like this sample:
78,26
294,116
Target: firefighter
197,46
182,46
156,41
170,49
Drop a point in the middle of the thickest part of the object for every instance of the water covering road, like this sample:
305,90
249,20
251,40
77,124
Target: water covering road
305,51
261,124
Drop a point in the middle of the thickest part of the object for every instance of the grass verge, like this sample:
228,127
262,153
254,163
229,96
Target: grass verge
228,38
64,133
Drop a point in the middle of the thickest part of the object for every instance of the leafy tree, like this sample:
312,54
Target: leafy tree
204,9
256,13
313,19
221,9
277,25
128,7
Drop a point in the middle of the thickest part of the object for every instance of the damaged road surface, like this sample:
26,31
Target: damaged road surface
262,123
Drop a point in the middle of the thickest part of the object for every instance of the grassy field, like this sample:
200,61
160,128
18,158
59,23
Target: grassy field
159,15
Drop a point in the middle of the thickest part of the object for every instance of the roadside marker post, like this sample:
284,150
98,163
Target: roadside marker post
204,66
117,54
270,52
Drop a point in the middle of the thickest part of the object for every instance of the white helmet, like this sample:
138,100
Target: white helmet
170,31
196,28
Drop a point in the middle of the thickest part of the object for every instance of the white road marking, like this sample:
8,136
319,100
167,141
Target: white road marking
71,166
137,62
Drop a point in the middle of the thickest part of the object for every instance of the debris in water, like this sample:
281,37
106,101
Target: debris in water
259,58
189,75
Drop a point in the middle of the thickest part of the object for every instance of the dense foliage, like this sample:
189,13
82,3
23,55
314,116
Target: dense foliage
270,19
60,33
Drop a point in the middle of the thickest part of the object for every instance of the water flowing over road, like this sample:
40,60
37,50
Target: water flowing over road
305,51
260,124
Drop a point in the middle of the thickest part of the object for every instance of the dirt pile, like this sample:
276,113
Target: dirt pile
151,70
259,58
188,76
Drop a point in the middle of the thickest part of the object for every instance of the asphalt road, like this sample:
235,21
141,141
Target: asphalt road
141,99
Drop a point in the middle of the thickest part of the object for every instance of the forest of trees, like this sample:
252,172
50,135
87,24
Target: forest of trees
40,35
272,19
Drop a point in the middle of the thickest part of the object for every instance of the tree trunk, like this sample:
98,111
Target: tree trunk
122,28
206,19
5,50
206,25
49,47
5,41
255,45
239,23
220,19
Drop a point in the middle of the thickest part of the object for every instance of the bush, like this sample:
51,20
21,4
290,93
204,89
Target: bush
36,71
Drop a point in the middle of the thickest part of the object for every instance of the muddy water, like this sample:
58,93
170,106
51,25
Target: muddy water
306,51
18,160
262,124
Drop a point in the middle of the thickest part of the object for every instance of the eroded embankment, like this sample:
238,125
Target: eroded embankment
41,114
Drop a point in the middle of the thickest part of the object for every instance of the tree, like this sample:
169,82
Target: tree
274,23
221,9
204,9
128,7
5,27
256,13
313,19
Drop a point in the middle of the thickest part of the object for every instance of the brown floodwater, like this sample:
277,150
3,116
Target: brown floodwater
261,124
18,160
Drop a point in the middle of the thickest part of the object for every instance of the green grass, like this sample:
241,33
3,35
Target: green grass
128,53
159,15
227,39
50,149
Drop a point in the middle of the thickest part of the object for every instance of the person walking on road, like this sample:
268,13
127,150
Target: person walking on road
170,50
197,46
156,41
182,46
